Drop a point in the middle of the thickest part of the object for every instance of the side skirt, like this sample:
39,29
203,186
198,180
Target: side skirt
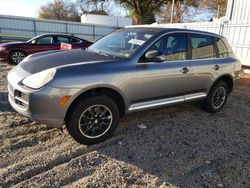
166,101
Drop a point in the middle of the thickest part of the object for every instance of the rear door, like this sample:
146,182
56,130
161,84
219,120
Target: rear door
158,80
205,67
60,39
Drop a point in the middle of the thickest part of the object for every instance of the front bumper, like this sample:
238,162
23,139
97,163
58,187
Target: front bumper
39,105
4,56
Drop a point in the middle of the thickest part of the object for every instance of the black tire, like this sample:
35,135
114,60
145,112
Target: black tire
84,106
209,103
16,57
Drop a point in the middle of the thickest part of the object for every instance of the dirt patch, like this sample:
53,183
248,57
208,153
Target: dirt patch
182,146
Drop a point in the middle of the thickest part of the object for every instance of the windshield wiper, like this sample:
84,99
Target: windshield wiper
97,51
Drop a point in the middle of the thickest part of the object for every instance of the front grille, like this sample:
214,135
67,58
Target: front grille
21,99
24,96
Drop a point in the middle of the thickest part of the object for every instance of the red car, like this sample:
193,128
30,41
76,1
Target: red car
15,52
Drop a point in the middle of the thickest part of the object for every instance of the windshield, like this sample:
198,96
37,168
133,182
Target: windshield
32,39
121,43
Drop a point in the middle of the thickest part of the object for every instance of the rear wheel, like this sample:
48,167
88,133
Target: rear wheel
217,97
92,120
16,57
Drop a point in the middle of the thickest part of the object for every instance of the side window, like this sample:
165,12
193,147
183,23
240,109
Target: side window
202,47
172,46
158,45
45,40
61,39
176,47
222,49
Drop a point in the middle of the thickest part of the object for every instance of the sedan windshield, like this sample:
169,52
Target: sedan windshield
121,43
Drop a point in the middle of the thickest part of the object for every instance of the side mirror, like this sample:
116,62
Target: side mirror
154,55
33,42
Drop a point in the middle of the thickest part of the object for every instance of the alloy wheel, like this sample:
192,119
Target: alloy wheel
95,121
17,57
219,97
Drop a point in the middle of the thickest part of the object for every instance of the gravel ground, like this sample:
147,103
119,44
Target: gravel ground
182,146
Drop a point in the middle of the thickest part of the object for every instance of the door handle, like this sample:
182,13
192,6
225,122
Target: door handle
216,67
184,70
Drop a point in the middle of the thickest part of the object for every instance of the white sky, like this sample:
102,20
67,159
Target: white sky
27,8
30,8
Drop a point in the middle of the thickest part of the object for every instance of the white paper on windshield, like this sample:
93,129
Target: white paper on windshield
136,41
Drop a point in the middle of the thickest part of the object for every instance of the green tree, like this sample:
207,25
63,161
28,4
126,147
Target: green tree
181,8
60,10
93,6
217,4
142,11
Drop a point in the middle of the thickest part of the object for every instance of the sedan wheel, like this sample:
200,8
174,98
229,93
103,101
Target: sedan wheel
16,57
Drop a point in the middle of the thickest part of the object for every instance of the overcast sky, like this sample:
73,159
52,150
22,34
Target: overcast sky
27,8
30,8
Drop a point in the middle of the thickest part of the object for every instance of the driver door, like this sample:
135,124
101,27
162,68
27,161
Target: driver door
166,79
45,43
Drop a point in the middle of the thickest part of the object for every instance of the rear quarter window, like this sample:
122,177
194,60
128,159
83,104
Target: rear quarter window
222,48
75,40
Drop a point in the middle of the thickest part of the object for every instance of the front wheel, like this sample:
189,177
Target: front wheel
92,119
16,57
217,97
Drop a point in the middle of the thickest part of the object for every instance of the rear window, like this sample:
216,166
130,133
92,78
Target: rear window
222,49
202,47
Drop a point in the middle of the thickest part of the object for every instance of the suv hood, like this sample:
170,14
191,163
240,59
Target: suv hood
51,59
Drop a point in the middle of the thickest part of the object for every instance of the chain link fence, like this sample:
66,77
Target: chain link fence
14,28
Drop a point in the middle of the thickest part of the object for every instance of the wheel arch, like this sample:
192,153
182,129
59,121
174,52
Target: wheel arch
226,78
106,91
16,50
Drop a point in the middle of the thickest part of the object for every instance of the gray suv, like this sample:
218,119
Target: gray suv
128,70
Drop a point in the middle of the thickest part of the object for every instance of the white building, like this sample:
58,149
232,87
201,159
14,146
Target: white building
238,34
106,20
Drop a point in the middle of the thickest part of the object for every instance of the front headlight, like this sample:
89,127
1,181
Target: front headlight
2,48
38,80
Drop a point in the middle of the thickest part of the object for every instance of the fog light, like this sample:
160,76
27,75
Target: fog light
63,100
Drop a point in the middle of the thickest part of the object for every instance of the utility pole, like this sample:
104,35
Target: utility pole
218,11
172,11
231,10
